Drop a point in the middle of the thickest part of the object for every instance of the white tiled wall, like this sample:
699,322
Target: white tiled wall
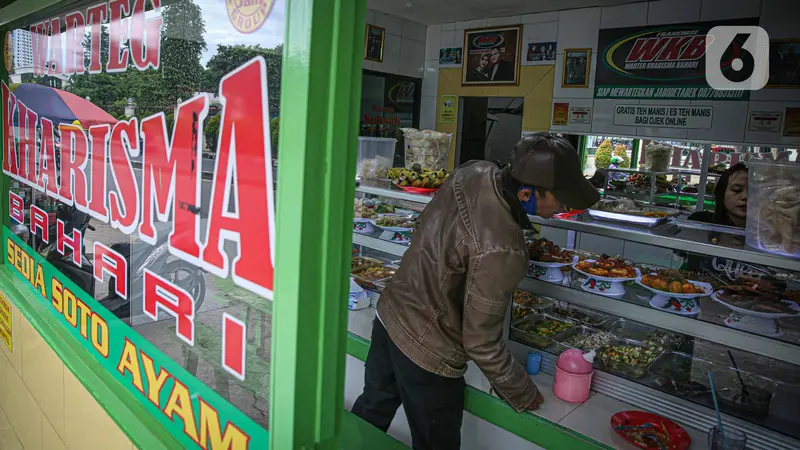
403,47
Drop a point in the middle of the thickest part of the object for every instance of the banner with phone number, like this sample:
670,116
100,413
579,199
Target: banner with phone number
193,413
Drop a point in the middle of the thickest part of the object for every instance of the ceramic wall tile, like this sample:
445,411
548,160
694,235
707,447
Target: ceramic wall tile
578,28
430,81
412,58
392,24
673,11
50,438
449,26
25,415
729,9
43,373
448,39
539,32
497,21
82,411
391,55
427,113
14,356
631,15
469,24
433,40
414,30
8,438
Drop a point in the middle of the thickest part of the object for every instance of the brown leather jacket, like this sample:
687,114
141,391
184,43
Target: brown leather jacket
448,300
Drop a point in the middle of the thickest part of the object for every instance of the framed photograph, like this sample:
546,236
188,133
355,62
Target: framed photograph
373,44
784,63
450,56
576,67
491,56
540,53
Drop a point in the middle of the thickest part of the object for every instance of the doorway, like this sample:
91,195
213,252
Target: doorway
488,128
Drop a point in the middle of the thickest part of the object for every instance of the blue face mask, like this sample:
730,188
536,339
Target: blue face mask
530,205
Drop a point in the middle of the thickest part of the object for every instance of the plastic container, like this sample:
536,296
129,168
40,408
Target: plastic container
375,157
657,157
628,329
574,373
428,148
525,330
773,207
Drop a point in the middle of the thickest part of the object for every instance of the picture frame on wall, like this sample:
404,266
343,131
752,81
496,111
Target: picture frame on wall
784,63
491,56
575,73
373,43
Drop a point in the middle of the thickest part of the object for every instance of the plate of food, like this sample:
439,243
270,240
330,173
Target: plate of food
674,284
756,304
606,275
395,222
547,259
417,180
359,263
373,278
631,211
651,431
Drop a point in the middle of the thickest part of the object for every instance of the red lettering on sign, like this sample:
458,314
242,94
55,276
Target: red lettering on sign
107,261
233,345
124,143
75,22
54,66
170,176
160,294
39,223
74,243
74,152
645,49
98,137
28,145
245,171
47,160
695,49
145,36
672,49
16,207
97,15
10,156
117,34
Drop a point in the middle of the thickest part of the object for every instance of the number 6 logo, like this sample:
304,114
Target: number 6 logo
737,58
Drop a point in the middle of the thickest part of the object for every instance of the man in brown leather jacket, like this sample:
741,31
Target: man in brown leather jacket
447,302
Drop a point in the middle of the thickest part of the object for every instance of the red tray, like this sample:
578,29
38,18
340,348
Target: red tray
418,190
678,437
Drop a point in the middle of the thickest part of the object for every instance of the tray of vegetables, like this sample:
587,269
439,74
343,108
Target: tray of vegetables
583,338
539,329
628,357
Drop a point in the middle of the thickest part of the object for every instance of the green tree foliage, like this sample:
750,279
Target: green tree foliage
211,132
182,44
602,158
622,151
229,57
274,126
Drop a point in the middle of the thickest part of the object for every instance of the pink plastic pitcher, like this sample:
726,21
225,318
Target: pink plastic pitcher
574,375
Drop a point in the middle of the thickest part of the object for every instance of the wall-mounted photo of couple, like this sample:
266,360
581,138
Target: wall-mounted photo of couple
491,56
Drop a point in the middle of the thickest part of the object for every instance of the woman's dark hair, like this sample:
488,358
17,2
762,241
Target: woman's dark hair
720,213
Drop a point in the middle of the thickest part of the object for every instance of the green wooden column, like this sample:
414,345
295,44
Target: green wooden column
320,102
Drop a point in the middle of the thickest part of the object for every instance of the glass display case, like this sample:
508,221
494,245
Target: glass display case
656,343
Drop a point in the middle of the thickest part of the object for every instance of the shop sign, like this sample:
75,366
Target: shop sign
684,117
662,62
766,121
170,190
6,334
791,124
248,16
57,53
580,115
450,56
448,108
560,114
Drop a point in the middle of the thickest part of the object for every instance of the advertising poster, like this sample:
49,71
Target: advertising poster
791,124
539,53
5,322
448,108
560,114
686,117
450,56
580,115
765,121
491,56
661,62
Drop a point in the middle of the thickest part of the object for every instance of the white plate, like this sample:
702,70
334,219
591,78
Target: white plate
611,279
658,300
707,290
555,264
763,315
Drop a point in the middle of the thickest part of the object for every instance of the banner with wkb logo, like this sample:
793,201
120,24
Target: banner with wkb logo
721,60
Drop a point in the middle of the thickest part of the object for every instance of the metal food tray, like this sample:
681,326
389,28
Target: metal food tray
623,368
537,340
630,329
634,218
583,330
559,306
376,284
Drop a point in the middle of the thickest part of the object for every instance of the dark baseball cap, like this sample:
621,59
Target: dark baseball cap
551,162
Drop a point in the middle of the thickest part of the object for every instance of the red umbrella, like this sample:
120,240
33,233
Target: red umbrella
60,106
